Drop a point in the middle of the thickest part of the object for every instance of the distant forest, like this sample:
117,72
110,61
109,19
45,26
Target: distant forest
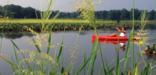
15,11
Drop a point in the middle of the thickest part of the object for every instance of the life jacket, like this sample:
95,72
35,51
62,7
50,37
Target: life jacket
122,34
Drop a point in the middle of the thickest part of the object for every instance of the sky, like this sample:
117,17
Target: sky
71,5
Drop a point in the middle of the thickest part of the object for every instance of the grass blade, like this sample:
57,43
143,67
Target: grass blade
49,43
103,64
91,59
12,64
146,70
36,45
60,52
15,52
83,65
93,56
15,45
117,64
136,72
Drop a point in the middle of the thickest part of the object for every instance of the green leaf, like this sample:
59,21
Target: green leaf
49,43
60,52
36,46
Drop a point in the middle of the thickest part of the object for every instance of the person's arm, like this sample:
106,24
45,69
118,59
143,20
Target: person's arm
119,30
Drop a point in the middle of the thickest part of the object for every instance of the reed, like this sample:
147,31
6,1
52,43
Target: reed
41,62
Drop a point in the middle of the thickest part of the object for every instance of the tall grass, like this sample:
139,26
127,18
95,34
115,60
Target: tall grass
39,62
36,62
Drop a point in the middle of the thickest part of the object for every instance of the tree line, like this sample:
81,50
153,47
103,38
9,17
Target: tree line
15,11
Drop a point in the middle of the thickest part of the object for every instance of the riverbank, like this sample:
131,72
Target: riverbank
7,25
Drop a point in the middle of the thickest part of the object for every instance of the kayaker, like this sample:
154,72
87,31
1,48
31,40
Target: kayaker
121,30
122,33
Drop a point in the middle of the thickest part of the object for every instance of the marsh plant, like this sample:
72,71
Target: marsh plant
41,62
37,62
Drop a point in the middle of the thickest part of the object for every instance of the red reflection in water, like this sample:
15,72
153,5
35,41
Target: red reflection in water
112,42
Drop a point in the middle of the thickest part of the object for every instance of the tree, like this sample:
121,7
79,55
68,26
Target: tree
13,11
30,13
152,15
125,14
137,14
101,14
1,12
115,15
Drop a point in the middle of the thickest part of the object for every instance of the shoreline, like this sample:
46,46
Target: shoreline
22,25
60,27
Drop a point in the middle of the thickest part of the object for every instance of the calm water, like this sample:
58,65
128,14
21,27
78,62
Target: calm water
75,45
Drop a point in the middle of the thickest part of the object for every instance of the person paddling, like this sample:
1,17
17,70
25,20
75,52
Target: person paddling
121,30
122,33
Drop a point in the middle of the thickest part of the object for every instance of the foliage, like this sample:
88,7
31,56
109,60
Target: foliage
15,11
38,62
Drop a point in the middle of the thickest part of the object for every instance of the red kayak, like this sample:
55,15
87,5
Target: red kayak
110,38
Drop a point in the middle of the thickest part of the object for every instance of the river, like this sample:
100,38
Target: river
75,45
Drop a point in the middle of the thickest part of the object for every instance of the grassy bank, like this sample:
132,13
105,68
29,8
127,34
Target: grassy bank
66,24
40,61
66,21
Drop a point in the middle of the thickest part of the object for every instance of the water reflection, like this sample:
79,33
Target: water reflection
12,35
121,44
150,57
74,46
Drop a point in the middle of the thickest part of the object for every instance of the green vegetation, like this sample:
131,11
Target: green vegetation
15,25
15,11
41,62
66,21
